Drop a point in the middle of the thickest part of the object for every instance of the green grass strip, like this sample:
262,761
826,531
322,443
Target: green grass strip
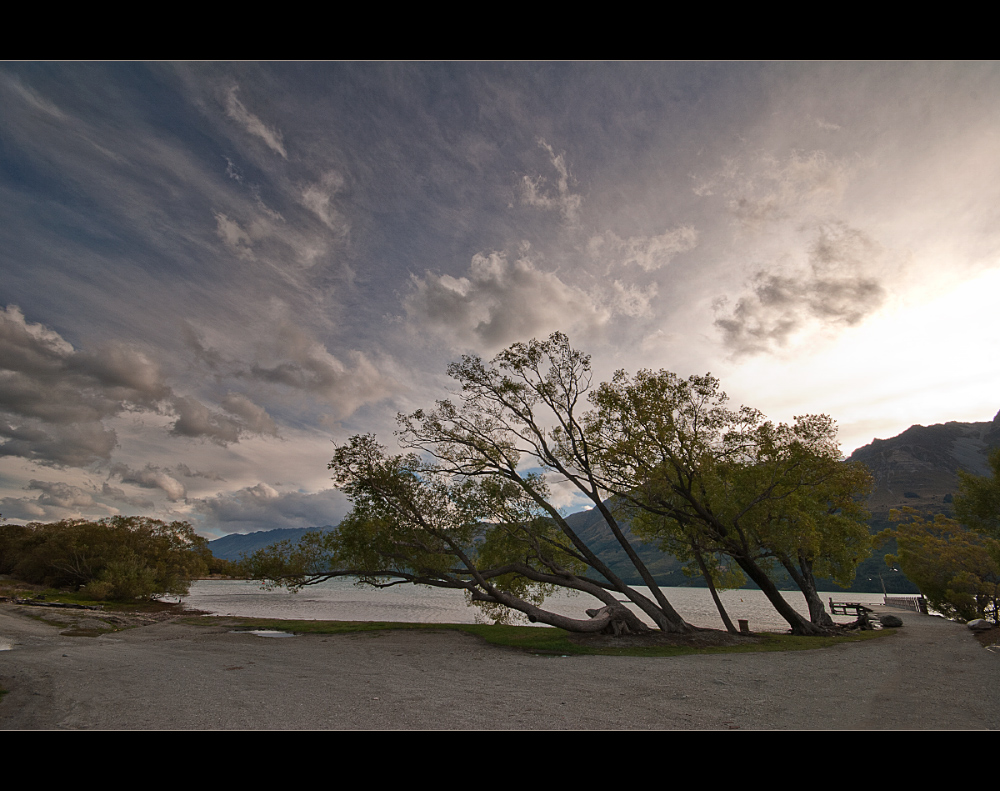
540,640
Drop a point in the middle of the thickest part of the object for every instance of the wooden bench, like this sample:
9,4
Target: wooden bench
848,608
857,609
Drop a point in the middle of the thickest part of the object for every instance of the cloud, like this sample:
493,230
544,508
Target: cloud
648,252
836,289
500,302
56,500
262,507
629,300
186,472
58,445
297,360
61,495
233,236
34,99
117,495
537,191
151,477
250,122
194,419
763,190
317,198
255,418
53,398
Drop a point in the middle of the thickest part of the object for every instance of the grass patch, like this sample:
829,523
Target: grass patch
539,640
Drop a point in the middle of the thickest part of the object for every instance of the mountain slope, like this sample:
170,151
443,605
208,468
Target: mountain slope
919,467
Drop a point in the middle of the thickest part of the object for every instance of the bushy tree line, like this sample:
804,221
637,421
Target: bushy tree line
118,558
471,507
956,562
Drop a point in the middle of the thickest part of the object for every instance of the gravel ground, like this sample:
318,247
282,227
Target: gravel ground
168,675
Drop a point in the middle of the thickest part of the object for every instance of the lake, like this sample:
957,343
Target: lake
341,600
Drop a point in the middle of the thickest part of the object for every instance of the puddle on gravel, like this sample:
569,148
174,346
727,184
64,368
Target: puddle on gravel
264,632
5,646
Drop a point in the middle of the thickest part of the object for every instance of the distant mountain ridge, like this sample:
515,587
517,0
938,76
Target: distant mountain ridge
234,545
919,467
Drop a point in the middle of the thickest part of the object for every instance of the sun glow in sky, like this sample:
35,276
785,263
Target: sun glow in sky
211,272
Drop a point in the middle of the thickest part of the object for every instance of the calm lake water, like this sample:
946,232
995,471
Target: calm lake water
341,600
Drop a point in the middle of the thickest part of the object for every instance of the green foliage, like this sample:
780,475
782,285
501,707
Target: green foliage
728,482
978,504
956,569
413,522
118,558
707,483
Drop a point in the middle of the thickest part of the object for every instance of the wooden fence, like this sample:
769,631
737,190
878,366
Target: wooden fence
916,603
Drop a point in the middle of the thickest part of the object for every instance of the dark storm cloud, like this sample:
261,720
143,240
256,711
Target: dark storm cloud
840,287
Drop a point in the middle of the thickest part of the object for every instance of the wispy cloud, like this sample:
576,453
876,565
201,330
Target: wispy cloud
233,236
647,252
250,122
763,189
318,198
539,191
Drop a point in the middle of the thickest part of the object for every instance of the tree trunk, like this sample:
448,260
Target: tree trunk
665,617
799,624
623,621
804,578
711,587
616,619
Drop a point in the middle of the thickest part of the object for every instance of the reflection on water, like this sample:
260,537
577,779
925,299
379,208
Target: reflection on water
341,600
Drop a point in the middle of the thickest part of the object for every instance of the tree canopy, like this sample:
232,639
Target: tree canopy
978,504
956,562
469,506
956,569
732,483
119,558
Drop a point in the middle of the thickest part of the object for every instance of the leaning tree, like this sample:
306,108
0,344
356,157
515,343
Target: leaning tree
731,482
469,506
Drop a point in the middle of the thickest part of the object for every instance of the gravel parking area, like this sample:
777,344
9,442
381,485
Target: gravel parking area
169,675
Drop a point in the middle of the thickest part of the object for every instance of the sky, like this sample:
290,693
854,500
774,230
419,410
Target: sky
212,273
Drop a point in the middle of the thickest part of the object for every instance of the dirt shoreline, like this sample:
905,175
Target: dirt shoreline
170,675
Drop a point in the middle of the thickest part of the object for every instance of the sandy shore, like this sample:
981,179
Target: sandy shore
932,674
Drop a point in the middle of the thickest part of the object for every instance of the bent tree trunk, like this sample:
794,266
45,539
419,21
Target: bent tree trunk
612,619
799,625
711,587
660,611
804,578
